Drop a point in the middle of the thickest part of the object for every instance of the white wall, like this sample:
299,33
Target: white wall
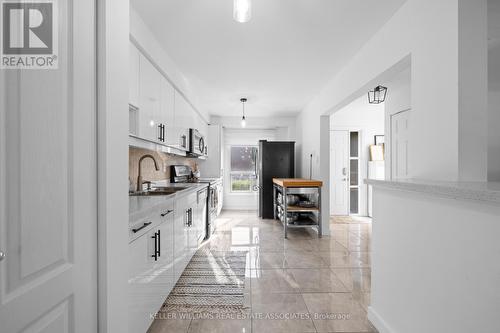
251,137
398,99
494,114
431,34
285,126
435,265
257,128
369,120
142,36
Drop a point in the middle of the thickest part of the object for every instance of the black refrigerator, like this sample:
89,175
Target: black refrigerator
276,160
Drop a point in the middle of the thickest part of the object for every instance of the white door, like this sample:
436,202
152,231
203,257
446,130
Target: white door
48,214
339,185
399,145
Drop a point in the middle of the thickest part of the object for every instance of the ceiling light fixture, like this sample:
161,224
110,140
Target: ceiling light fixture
242,11
378,95
243,119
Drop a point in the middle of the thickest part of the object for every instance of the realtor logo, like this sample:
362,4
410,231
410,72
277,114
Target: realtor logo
29,34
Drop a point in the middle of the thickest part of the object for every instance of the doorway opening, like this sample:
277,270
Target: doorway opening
356,153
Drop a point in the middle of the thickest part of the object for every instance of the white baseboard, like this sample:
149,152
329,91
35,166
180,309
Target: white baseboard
378,322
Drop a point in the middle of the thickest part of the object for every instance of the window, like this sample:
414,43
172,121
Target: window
243,168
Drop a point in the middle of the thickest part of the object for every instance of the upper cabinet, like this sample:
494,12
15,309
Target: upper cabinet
213,167
183,120
150,126
167,111
158,112
133,88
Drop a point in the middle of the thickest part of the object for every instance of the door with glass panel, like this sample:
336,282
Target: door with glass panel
48,177
344,173
353,179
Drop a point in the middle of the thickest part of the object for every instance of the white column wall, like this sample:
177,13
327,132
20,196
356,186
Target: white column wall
434,266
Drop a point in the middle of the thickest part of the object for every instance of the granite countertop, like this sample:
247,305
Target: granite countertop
140,205
472,191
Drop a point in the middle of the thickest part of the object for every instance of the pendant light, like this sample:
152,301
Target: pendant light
243,119
378,95
242,11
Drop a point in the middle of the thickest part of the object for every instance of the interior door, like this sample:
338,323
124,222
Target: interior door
48,214
399,144
339,185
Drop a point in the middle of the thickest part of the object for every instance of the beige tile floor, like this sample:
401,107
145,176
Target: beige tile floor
299,284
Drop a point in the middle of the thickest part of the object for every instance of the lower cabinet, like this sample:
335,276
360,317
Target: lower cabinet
158,257
180,238
186,239
151,270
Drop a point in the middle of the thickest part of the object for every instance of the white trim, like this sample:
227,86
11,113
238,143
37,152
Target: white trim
487,192
378,322
112,163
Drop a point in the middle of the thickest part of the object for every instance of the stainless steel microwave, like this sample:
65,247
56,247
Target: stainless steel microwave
197,143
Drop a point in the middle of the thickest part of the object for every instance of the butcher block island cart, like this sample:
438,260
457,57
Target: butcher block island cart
297,203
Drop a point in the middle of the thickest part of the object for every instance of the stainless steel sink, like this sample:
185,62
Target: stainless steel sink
158,191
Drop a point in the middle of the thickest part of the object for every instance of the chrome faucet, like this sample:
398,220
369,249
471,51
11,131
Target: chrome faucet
139,178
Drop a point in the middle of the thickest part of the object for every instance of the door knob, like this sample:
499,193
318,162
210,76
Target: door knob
2,255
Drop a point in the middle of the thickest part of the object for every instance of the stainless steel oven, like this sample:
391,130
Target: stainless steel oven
197,143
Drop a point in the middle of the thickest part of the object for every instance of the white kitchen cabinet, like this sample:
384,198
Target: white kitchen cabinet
213,166
134,75
182,118
143,290
181,230
201,215
150,96
167,111
151,268
164,277
188,232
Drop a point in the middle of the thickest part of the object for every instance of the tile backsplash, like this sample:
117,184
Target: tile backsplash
148,169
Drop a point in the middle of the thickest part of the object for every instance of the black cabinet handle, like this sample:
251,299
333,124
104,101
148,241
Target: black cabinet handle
163,133
166,213
189,217
140,228
159,244
155,255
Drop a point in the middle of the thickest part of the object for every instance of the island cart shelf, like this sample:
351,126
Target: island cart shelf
297,203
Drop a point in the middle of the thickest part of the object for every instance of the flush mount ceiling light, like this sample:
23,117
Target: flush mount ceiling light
242,11
377,96
243,119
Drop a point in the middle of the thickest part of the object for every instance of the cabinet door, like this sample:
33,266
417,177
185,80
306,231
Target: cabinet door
201,217
180,239
167,111
134,74
192,234
194,228
142,298
165,277
181,122
149,91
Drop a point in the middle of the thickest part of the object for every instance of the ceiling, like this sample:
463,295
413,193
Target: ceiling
279,60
